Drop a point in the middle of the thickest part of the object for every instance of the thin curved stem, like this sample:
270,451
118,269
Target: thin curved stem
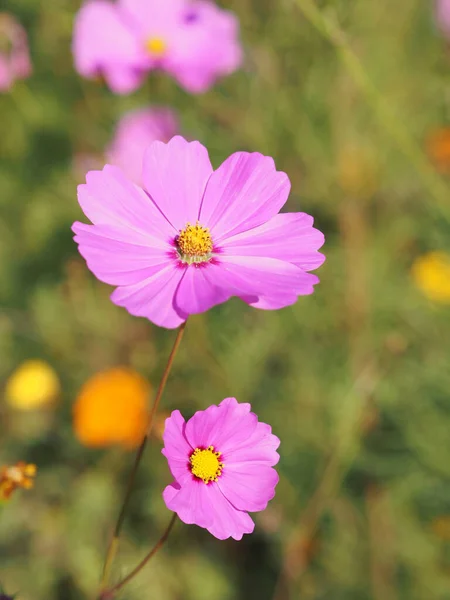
112,549
118,586
331,31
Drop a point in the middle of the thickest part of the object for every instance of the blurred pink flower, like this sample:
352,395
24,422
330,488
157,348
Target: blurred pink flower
193,40
222,462
14,55
443,15
134,133
196,236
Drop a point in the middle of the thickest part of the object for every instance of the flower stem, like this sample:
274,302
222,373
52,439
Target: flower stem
112,549
118,586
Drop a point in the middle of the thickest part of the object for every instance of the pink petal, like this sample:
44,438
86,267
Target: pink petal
123,80
197,292
228,522
260,447
116,257
6,75
109,198
176,448
155,18
102,39
244,192
273,302
290,237
260,276
223,426
191,501
248,486
135,132
205,506
175,176
153,297
205,46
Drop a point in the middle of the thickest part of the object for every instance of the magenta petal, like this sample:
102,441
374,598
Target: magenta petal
175,176
248,486
261,276
102,40
153,297
222,426
109,198
197,293
205,46
134,133
228,522
116,257
273,302
176,448
191,501
260,447
244,192
123,80
289,237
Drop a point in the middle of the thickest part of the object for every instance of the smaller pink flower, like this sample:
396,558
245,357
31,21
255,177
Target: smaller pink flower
134,133
14,55
443,15
222,462
194,41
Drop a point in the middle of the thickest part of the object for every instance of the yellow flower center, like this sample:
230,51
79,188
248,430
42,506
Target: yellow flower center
205,464
194,244
156,46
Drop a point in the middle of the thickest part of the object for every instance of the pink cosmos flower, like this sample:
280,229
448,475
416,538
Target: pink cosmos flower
443,15
195,237
222,462
135,132
14,56
193,40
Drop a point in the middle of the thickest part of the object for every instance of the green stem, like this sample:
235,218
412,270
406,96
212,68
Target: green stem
109,593
331,31
112,549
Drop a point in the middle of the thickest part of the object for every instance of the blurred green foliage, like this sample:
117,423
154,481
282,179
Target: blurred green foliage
354,379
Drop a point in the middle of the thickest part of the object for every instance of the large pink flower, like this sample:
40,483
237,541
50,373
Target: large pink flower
193,40
221,461
195,237
134,133
14,55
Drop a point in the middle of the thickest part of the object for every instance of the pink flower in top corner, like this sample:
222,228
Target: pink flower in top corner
194,237
443,15
221,461
134,133
194,41
15,60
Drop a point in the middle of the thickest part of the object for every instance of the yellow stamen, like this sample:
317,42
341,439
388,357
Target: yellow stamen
205,464
156,46
194,244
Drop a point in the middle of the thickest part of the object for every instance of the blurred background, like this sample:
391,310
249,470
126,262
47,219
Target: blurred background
354,379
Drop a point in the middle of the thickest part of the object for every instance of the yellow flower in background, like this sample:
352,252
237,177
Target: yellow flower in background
111,408
32,385
14,477
431,274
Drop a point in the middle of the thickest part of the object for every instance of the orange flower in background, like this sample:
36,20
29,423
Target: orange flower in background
111,408
20,475
431,274
32,385
438,149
